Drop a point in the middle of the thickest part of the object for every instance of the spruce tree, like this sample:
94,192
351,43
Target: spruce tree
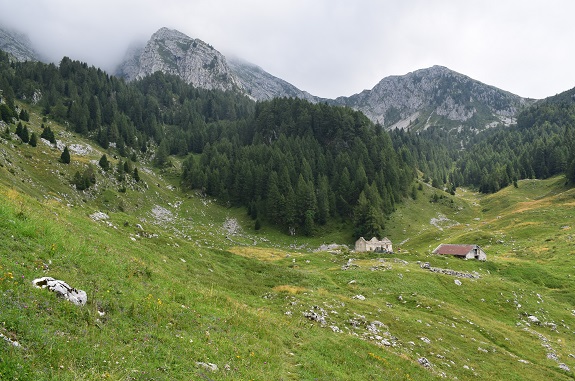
65,157
25,135
19,129
104,163
33,140
48,135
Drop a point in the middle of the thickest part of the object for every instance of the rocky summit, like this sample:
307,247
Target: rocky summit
172,52
201,65
435,96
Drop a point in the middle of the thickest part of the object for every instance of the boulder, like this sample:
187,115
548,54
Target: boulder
62,289
533,319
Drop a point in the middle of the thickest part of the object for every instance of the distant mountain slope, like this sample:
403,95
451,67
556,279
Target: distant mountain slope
18,45
435,96
261,85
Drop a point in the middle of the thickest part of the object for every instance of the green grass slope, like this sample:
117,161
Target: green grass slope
178,285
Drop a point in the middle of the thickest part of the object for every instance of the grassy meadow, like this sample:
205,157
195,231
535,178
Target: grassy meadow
182,288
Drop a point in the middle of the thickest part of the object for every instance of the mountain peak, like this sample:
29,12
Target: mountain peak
200,64
435,96
173,52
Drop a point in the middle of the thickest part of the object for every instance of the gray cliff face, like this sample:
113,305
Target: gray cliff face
435,96
199,64
261,85
172,52
18,45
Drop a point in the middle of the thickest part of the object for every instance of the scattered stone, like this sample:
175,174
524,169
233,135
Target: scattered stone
359,297
425,340
353,281
62,289
564,367
162,214
424,362
458,274
349,265
457,282
316,316
9,340
232,227
208,366
335,329
552,356
533,319
98,216
80,149
523,361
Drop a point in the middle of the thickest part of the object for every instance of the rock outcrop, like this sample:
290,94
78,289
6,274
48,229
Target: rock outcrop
62,289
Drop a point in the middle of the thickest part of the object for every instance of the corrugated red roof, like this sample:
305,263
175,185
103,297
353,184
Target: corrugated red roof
449,249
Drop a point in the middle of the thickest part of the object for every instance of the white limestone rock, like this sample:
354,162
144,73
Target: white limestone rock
62,289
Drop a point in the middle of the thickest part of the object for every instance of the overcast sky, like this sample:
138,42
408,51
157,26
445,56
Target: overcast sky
329,48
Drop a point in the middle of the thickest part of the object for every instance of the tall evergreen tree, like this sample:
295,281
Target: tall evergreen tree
65,156
104,163
33,140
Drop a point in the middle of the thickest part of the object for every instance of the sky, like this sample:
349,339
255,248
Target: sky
329,48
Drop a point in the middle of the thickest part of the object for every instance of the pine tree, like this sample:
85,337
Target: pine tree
25,135
19,129
65,157
136,174
33,140
48,135
275,208
104,163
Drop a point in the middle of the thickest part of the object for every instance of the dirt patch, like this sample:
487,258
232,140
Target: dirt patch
289,289
262,254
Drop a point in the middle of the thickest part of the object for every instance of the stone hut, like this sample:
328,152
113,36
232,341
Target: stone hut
461,251
384,245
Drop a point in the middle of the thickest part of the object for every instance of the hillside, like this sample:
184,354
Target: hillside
180,287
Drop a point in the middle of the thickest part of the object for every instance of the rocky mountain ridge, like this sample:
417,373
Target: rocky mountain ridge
435,96
18,45
420,99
